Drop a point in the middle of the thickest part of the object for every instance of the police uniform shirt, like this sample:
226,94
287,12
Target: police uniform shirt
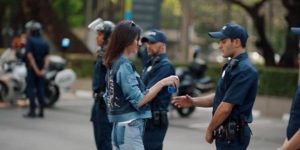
39,49
156,69
98,82
294,121
241,89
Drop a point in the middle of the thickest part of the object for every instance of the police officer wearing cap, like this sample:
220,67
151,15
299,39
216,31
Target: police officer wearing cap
292,140
157,68
36,58
235,93
102,127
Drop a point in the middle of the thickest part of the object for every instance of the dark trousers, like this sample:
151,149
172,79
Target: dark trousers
35,88
102,127
154,134
236,144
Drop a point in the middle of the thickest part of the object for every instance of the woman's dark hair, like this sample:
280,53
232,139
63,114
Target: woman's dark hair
123,35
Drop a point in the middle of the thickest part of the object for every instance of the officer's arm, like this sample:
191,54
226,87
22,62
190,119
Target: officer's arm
171,80
204,101
221,114
32,63
293,143
46,62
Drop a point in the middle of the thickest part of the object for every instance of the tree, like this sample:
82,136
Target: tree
259,23
55,28
290,56
185,23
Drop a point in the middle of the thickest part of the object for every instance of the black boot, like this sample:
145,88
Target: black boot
30,114
41,113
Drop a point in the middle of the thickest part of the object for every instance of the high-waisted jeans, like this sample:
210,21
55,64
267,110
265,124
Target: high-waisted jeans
128,136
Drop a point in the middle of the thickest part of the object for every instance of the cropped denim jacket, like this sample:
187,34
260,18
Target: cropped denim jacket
124,90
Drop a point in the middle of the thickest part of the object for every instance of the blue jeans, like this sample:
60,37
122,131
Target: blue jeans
129,136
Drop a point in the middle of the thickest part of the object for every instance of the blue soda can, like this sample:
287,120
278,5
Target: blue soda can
171,89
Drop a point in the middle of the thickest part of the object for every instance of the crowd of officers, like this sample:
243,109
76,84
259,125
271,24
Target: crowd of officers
130,110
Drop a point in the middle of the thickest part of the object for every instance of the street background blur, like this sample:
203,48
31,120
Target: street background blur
271,46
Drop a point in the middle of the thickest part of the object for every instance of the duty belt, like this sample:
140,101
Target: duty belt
98,97
230,131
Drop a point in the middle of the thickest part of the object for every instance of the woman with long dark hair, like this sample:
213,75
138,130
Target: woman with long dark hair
126,96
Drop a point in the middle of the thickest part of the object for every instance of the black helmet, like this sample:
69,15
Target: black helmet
33,28
105,27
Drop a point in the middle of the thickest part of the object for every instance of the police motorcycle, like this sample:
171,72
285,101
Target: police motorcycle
13,79
193,81
13,74
57,77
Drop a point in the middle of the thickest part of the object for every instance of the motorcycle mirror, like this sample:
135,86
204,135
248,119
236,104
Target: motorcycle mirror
65,43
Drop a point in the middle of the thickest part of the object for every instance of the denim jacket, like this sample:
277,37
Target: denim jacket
124,90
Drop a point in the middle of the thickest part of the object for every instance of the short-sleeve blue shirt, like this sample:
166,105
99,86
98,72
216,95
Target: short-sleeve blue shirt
99,73
240,90
156,69
294,121
39,49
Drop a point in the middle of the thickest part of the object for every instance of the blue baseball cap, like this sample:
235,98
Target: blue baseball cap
295,30
154,36
231,30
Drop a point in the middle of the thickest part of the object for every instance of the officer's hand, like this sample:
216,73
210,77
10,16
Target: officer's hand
209,136
40,73
182,101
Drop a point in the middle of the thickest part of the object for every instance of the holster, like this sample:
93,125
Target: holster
98,97
229,130
157,117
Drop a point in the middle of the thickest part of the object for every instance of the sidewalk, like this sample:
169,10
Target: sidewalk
266,106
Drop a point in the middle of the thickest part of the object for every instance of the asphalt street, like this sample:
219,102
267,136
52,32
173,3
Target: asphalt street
67,127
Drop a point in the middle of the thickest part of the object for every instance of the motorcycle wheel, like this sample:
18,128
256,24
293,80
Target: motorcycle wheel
51,95
3,91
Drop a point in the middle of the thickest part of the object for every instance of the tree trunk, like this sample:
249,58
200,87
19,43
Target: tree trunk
54,28
290,56
259,23
263,43
185,20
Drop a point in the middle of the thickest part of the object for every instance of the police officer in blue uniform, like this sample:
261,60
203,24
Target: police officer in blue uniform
37,51
235,93
101,125
157,68
293,130
142,53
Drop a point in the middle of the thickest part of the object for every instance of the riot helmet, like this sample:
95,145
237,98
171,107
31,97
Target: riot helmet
106,27
33,28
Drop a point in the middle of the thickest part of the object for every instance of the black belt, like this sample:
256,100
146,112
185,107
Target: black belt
162,112
228,131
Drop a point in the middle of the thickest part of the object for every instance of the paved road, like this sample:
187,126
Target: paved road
67,127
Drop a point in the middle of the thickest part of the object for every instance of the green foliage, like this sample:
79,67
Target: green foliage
8,2
83,67
69,10
272,81
170,14
277,81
